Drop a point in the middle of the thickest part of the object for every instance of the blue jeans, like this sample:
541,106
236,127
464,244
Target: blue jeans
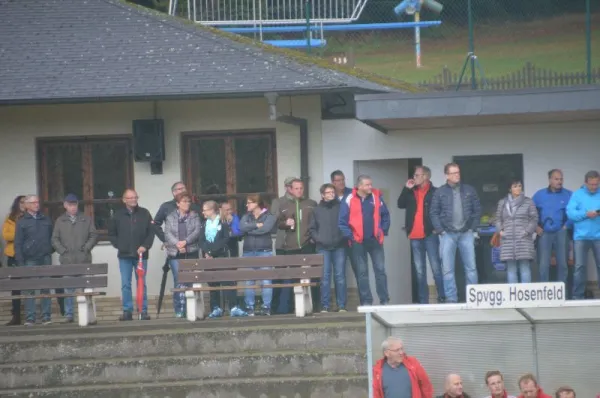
375,250
581,258
127,267
30,303
429,246
267,292
465,242
69,303
558,241
334,261
178,297
514,268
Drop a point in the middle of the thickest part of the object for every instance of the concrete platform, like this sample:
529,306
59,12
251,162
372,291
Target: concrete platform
260,357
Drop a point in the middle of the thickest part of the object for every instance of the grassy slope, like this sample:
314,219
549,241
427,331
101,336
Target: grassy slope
557,45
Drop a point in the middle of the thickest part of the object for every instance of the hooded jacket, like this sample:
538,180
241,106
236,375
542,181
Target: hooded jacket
255,238
581,202
421,386
301,210
323,228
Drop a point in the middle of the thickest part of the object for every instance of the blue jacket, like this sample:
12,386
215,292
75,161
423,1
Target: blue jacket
581,202
33,236
441,208
367,208
552,209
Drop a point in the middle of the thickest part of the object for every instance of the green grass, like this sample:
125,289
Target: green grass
557,45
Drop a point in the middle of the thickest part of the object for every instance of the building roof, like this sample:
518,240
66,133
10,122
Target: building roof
85,50
396,111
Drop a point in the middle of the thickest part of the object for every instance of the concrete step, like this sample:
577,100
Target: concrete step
179,337
156,369
272,387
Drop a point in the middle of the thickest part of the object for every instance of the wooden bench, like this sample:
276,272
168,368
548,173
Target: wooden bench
198,273
78,276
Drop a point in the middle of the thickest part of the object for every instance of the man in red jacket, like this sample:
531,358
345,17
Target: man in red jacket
399,375
529,387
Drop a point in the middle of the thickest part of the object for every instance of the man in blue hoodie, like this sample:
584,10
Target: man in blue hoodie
551,203
583,209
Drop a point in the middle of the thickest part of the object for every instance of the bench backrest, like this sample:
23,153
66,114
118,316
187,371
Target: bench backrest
233,269
51,277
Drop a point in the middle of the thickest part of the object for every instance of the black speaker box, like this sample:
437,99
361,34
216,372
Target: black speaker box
149,140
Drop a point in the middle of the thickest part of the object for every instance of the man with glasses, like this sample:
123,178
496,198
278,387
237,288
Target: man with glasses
324,231
399,375
131,232
583,209
416,200
33,248
455,213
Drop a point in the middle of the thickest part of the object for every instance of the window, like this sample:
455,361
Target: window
490,175
228,166
96,169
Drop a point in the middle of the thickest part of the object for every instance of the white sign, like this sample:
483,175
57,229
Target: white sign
518,295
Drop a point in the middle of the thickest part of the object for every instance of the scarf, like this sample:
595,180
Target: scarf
512,203
212,228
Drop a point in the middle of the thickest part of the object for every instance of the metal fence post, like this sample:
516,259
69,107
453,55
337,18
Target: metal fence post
588,40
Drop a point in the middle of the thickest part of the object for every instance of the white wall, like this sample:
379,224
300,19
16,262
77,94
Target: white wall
568,146
20,126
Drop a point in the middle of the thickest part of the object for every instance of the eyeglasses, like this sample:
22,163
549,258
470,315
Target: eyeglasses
329,193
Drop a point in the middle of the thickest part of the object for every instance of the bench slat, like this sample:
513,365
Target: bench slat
53,270
54,283
53,295
255,287
250,275
251,262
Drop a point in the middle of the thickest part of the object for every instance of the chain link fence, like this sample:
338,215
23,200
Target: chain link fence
518,43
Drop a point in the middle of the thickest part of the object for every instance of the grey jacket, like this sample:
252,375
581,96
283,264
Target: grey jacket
258,239
74,241
440,210
193,227
516,241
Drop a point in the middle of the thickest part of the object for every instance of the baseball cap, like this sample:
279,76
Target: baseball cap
288,181
71,198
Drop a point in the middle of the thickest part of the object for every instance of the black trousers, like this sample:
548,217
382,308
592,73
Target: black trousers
283,298
16,303
230,299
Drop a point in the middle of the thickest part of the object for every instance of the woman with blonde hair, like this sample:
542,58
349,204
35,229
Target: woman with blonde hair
214,240
182,233
8,233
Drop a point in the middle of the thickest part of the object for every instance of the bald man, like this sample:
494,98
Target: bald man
398,375
131,232
453,387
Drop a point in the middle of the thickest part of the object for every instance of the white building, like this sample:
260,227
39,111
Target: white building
70,92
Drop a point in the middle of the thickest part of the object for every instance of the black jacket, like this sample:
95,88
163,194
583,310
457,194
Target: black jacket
407,201
323,228
33,238
128,231
164,210
258,239
218,248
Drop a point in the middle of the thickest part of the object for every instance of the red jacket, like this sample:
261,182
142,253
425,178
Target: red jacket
540,394
355,219
421,386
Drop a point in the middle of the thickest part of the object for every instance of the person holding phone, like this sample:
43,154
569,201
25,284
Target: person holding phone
416,200
583,209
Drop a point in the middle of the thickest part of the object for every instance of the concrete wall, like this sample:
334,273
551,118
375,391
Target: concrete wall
569,146
20,126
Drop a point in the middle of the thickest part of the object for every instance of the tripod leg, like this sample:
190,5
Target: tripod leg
463,70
